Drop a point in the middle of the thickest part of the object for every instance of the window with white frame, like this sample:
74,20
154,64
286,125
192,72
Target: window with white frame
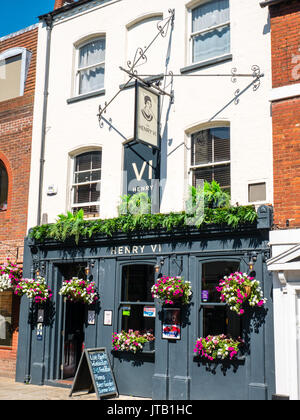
91,66
87,183
210,156
210,30
14,65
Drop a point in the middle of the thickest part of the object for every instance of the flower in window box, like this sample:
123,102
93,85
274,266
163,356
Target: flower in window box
35,289
217,347
237,288
10,275
131,341
171,289
79,290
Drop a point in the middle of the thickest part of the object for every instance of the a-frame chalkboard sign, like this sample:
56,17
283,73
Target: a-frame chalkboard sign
94,374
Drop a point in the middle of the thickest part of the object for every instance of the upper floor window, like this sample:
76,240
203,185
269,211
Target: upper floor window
210,33
14,64
91,66
210,156
3,187
87,183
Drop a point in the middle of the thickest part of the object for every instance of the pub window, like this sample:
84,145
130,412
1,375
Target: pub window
6,318
210,33
215,316
91,66
87,183
210,156
14,65
3,187
137,280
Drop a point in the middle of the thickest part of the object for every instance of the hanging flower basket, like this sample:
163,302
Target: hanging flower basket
238,288
131,341
35,289
10,275
172,289
79,290
215,347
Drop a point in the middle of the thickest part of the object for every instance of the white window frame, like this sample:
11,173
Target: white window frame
26,57
73,155
78,70
191,167
253,182
190,7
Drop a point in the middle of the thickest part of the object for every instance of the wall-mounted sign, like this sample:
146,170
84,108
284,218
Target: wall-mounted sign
171,324
147,113
107,318
91,317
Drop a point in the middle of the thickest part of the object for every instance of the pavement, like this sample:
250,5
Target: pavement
11,390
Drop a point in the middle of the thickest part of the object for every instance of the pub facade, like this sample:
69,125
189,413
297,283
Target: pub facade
151,100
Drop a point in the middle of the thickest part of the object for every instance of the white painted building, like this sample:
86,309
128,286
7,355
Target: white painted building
90,40
285,265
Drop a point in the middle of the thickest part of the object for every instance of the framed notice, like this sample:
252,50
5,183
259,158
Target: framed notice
171,324
147,114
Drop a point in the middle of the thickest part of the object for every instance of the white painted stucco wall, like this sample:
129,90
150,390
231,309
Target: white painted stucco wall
286,301
197,100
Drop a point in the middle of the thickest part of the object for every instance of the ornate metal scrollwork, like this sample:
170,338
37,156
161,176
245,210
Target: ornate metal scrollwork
233,77
256,75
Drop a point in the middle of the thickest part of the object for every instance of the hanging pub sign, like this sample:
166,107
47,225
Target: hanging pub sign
141,173
147,116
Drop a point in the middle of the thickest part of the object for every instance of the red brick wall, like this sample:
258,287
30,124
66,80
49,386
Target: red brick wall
285,41
285,37
16,117
286,158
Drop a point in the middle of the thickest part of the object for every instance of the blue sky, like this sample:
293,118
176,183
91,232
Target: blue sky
18,14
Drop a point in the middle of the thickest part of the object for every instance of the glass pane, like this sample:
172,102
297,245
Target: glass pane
137,281
221,138
92,53
220,320
89,211
90,80
133,319
87,176
211,44
201,147
87,193
83,162
6,318
210,14
3,187
211,274
10,77
221,174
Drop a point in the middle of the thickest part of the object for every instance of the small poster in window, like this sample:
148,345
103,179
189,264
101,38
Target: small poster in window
149,312
171,327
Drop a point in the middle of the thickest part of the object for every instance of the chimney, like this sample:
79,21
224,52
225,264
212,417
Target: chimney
60,3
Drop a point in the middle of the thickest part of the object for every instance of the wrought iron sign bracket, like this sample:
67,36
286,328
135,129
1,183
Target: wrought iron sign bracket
140,57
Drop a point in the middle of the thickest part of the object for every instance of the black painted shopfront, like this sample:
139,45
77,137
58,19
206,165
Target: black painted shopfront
124,268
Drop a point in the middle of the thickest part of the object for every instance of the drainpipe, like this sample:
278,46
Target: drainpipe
48,19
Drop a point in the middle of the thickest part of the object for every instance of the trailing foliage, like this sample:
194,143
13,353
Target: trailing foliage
206,206
75,227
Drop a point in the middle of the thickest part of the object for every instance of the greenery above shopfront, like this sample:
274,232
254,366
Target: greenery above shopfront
205,206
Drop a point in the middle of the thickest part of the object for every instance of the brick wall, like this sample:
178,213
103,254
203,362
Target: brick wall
285,36
285,41
16,116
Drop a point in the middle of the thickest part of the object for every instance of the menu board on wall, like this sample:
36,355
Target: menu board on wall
94,374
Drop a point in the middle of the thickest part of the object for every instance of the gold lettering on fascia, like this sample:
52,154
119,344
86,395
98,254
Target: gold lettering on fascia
134,249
